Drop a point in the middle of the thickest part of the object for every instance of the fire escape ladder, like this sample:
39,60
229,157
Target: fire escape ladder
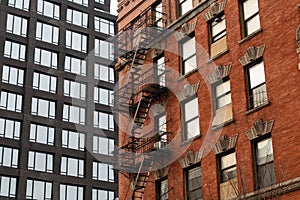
141,179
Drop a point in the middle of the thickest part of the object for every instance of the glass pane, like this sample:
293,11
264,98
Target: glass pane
253,25
257,75
188,48
264,151
228,160
250,7
222,88
193,128
191,109
186,6
224,100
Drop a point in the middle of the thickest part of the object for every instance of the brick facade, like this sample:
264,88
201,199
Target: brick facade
278,21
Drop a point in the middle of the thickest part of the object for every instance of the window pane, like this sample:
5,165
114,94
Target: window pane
253,25
250,7
257,75
191,109
264,151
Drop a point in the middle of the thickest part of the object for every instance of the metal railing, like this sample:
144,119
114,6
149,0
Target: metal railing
258,99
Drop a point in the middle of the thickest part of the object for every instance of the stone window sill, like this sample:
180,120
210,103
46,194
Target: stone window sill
250,36
257,108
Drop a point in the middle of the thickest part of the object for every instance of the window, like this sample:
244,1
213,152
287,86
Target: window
185,6
161,71
42,134
74,114
103,145
99,1
42,162
9,157
73,140
71,192
43,108
77,18
45,58
257,91
16,25
20,4
14,50
227,167
99,194
72,167
265,174
74,89
194,183
250,16
81,2
103,172
44,82
162,189
12,75
76,41
158,14
8,186
47,33
161,123
104,49
11,101
10,128
188,50
48,9
104,73
218,28
222,94
104,26
75,65
38,190
103,121
191,118
103,96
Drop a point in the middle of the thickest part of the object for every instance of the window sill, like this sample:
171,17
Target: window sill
217,56
214,128
187,75
185,142
250,36
257,108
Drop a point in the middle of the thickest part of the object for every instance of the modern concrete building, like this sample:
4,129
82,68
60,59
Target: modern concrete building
208,99
57,131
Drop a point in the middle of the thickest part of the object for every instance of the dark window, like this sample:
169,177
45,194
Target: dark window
194,183
227,167
265,173
162,189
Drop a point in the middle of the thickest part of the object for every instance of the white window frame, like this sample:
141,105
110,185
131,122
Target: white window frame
11,101
100,121
37,189
104,73
10,128
69,110
250,17
38,104
9,157
42,134
47,33
46,158
14,50
77,18
103,96
190,107
8,186
51,61
24,4
100,194
103,172
100,45
75,65
79,39
103,145
13,75
104,26
189,59
48,9
44,82
16,25
74,89
72,190
73,140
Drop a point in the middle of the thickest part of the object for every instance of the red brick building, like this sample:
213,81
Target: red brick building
208,99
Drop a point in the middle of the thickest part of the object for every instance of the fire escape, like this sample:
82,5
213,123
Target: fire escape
143,87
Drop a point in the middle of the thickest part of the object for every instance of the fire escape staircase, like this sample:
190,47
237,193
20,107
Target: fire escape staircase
135,97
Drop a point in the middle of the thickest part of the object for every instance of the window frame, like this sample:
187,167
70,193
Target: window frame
12,154
51,114
25,4
71,17
98,145
55,10
66,138
245,31
214,38
48,158
186,178
65,166
98,73
179,4
17,126
37,84
250,94
64,187
42,27
38,54
69,65
18,101
12,186
183,60
70,34
110,172
221,169
110,195
110,126
158,184
8,75
81,119
34,132
30,194
216,97
258,182
69,86
183,118
12,29
10,46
